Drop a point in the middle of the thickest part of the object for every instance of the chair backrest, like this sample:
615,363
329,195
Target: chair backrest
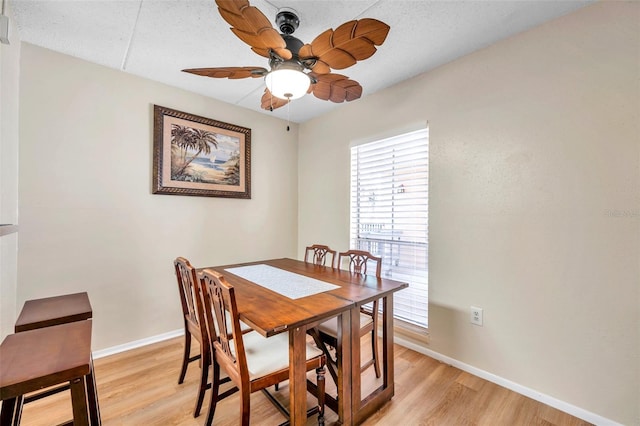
223,324
358,261
191,304
318,254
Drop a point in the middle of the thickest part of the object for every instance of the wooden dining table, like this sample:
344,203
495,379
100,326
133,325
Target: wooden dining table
270,312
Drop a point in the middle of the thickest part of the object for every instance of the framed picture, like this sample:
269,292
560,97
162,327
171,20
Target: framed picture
199,156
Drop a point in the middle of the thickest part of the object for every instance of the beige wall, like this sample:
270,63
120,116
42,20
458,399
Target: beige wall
9,78
88,220
534,203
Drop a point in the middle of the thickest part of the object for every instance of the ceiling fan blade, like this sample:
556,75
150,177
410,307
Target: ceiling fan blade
258,44
251,26
261,51
229,72
336,88
241,15
351,42
270,102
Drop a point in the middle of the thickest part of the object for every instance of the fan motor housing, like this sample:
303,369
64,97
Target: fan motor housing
287,20
293,44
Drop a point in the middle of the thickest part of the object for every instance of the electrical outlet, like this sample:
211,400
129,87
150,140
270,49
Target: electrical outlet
476,315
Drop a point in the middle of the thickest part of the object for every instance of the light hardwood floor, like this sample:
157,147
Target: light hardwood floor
139,387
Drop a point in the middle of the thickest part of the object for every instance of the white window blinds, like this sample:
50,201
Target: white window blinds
389,214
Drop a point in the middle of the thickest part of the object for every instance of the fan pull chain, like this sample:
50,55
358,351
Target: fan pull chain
288,102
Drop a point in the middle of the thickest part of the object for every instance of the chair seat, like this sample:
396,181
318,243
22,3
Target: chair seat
330,326
268,355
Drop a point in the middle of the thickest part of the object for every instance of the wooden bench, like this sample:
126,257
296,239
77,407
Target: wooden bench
37,359
48,311
55,310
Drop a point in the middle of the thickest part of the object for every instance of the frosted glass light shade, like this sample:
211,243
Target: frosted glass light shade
287,83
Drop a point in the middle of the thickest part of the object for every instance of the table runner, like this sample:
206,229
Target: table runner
288,284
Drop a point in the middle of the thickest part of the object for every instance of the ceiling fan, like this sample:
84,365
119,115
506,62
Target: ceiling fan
297,68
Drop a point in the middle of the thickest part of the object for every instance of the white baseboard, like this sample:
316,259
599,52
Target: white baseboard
137,344
523,390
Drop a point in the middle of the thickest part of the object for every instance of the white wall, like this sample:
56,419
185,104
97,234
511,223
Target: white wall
88,219
534,203
9,78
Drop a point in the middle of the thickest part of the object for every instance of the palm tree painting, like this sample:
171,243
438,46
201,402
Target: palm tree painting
195,157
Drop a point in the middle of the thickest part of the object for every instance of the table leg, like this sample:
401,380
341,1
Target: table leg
363,408
298,376
345,378
356,385
387,342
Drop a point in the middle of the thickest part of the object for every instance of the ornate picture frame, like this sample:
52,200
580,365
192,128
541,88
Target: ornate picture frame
199,156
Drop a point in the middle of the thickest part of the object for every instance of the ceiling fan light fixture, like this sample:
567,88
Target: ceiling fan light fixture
288,84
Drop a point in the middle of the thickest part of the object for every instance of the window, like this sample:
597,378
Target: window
389,214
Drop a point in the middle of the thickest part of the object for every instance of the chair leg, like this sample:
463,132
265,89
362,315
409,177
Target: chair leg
331,363
374,351
321,389
215,387
205,359
245,405
185,357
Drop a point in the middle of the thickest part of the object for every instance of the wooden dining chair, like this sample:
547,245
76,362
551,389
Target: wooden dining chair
251,361
194,326
358,260
318,254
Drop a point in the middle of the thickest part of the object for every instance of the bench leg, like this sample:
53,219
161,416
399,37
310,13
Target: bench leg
11,411
92,396
79,402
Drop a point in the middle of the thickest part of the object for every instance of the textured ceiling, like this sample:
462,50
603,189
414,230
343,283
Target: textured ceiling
156,39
